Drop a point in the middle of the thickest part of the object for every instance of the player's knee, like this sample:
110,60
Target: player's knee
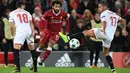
106,53
85,32
89,33
41,45
31,47
18,47
51,43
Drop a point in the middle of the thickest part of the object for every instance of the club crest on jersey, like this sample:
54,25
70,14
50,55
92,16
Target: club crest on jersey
103,16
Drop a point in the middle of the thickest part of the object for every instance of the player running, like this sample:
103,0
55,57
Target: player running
22,20
50,25
109,21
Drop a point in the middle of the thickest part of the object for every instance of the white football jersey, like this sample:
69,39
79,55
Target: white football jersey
21,18
111,19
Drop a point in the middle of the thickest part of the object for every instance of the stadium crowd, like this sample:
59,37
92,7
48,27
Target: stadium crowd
82,15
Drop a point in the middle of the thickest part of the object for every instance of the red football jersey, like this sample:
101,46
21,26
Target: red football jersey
54,21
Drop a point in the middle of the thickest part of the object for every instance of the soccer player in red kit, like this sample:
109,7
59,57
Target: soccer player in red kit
50,25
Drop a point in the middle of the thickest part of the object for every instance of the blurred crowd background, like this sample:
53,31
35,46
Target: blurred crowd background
83,13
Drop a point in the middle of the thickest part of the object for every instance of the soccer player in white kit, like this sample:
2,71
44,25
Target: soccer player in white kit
22,20
109,21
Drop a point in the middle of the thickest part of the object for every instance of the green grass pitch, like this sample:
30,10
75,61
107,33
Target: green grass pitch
66,70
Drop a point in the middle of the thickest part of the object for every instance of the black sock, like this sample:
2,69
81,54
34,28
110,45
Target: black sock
6,58
110,62
77,35
34,56
5,49
96,59
91,58
97,55
17,58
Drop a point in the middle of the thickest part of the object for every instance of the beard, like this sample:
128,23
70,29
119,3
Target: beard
56,11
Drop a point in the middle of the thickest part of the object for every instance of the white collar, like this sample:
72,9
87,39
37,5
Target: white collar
56,13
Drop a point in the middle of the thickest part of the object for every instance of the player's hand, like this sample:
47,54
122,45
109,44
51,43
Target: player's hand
4,41
124,33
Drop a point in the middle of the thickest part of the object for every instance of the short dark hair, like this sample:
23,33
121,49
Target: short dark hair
19,4
56,2
104,3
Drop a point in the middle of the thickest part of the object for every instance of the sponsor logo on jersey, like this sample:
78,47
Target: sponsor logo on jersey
64,61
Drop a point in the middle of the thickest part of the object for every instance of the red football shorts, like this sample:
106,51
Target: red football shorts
49,36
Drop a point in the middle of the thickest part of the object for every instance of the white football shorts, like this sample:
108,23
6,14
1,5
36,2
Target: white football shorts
20,38
99,34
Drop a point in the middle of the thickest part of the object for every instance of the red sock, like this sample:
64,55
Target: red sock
46,54
38,53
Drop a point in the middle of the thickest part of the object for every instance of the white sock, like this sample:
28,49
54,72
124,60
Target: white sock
49,48
38,50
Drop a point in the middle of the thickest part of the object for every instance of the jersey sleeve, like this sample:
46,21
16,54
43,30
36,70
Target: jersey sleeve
45,16
118,17
30,16
103,17
11,19
66,15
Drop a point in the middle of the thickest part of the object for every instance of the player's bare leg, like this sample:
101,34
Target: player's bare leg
48,51
109,59
17,57
86,33
89,33
34,56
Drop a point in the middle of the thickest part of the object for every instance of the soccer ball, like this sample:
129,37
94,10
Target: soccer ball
74,43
